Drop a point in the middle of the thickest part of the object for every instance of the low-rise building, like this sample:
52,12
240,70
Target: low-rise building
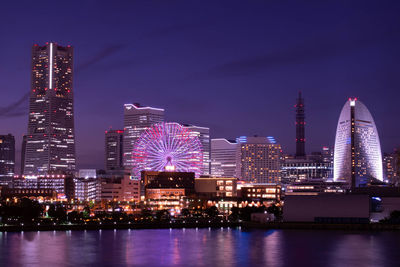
216,186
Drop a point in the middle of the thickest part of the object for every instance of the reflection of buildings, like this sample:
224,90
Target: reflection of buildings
136,120
216,187
50,141
203,133
114,149
259,159
223,158
7,158
357,158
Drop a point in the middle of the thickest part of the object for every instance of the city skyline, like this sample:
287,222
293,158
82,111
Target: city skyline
220,85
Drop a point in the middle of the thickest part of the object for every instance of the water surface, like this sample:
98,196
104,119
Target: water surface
202,247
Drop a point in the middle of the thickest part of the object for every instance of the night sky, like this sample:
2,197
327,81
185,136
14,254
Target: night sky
233,66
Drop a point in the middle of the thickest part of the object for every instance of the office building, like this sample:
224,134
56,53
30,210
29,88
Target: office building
114,149
61,183
300,128
50,141
137,119
203,133
357,156
87,189
164,184
223,158
120,188
259,160
23,150
391,163
212,187
7,158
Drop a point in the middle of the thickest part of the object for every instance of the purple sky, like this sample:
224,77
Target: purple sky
234,66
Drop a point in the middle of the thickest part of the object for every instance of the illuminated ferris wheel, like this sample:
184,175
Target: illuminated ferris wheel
167,147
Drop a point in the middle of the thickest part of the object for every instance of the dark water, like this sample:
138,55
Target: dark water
203,247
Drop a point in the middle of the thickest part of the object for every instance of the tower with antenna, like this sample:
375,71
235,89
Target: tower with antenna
300,128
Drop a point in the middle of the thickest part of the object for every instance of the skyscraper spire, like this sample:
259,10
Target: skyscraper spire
300,128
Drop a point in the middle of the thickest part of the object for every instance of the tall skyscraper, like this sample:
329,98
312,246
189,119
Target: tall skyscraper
114,149
300,128
203,133
50,144
357,155
23,150
259,159
7,158
136,120
223,158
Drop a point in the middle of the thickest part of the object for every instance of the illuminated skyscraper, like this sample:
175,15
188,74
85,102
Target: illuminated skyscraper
223,158
50,142
259,160
136,120
114,149
203,133
357,154
300,128
7,158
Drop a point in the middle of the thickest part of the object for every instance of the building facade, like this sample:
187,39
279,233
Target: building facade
259,160
203,133
7,158
357,156
391,163
114,149
223,158
300,128
137,119
216,186
50,142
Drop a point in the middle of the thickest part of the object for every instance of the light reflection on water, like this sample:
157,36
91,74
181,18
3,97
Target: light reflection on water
200,247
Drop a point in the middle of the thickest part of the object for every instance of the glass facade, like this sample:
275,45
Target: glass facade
357,156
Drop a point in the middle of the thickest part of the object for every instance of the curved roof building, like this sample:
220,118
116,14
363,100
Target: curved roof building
357,157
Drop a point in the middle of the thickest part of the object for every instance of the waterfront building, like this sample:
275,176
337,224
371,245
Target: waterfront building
259,160
212,187
87,189
203,133
315,187
223,158
260,193
137,119
120,188
7,158
300,128
357,156
114,149
168,183
61,183
50,142
391,162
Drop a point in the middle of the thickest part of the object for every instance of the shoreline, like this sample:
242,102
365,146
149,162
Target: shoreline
180,225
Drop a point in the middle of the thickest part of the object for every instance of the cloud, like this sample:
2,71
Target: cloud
311,50
15,109
104,53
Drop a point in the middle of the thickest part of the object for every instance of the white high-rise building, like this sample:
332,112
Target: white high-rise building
203,133
136,120
259,159
357,154
223,158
